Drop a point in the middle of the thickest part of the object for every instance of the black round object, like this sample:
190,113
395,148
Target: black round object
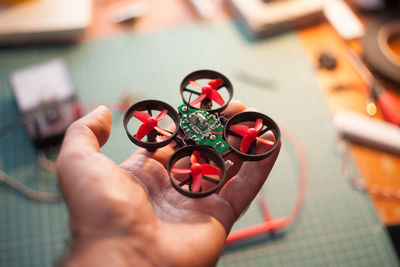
206,152
148,106
327,60
251,116
375,45
206,74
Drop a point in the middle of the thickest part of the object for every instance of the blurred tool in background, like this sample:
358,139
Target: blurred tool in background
388,102
377,51
343,19
367,131
381,45
376,5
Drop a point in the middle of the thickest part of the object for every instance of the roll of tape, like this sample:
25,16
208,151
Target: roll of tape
378,54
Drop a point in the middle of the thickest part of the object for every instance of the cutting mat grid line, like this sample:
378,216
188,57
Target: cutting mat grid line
337,226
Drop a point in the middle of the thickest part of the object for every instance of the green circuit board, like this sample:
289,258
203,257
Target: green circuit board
203,127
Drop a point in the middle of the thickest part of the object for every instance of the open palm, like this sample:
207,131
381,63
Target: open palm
131,215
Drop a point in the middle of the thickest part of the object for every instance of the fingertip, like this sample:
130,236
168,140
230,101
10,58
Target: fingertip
235,106
102,108
162,155
99,121
104,112
91,131
252,109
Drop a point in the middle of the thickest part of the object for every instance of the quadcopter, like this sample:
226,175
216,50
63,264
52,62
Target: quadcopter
202,133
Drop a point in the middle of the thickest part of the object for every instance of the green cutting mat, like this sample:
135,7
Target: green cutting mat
337,226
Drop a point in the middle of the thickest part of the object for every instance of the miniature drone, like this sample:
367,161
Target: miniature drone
202,133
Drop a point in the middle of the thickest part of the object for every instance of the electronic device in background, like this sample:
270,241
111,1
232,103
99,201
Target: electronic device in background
265,18
46,99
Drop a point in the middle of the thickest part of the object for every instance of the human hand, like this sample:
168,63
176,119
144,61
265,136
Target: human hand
131,215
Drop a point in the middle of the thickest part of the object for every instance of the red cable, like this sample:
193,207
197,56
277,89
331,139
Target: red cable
269,224
303,163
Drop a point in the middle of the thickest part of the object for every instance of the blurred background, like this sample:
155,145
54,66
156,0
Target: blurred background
328,72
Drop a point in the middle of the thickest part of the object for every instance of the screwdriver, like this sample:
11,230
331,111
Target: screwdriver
388,102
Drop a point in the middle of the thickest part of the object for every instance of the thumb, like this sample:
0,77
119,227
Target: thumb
89,133
83,138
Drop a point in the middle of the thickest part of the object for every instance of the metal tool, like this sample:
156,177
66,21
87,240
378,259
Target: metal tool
388,102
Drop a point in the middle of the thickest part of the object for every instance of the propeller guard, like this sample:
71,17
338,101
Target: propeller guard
206,74
206,152
147,105
251,116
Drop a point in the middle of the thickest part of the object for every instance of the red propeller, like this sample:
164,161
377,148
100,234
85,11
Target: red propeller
249,135
209,91
149,123
197,171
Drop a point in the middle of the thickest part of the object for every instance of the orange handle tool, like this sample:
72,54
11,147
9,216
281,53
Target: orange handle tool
388,102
